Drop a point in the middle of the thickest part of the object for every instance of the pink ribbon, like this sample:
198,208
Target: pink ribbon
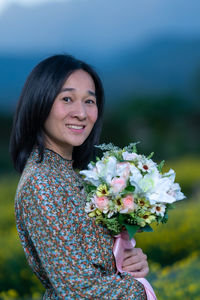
122,243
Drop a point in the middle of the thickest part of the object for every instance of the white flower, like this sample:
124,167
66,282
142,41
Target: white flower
136,175
147,183
159,191
144,184
130,156
171,175
159,209
107,168
154,186
90,206
110,214
123,169
169,190
147,165
175,191
156,198
91,176
91,166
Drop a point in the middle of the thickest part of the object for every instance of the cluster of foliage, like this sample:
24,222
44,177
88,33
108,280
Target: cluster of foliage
179,281
187,173
5,125
176,239
17,281
168,124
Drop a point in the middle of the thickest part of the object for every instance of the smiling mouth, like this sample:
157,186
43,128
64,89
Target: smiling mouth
76,126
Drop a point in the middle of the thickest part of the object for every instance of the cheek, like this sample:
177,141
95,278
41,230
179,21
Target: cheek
93,115
49,125
52,121
56,115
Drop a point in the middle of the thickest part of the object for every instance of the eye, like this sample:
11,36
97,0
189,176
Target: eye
66,99
90,101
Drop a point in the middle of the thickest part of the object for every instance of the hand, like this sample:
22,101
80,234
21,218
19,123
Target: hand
135,261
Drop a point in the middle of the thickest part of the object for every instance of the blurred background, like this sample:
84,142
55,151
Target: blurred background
147,53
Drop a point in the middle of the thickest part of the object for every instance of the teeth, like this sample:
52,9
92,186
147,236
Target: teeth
75,126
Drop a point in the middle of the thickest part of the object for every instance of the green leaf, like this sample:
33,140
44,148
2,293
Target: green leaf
132,229
147,228
160,166
150,155
89,188
121,219
112,224
165,218
130,188
170,205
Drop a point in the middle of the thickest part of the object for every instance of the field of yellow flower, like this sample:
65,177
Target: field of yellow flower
172,249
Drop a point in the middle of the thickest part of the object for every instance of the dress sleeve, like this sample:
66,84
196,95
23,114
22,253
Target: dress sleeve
51,222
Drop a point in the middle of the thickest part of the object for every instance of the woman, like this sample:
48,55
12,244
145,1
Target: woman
57,122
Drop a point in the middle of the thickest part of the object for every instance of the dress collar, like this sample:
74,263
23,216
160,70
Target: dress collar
53,158
56,158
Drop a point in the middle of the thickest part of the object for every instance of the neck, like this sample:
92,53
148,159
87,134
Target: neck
65,152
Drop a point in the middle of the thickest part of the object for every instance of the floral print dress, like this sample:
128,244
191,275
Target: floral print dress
67,251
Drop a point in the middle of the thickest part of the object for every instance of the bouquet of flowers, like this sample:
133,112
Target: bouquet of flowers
127,190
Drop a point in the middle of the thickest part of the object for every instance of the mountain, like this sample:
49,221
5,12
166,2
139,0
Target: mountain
93,26
162,66
13,73
138,46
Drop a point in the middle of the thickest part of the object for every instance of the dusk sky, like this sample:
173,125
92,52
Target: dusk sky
155,44
97,26
4,4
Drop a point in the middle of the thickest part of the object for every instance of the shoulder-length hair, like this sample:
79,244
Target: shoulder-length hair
38,94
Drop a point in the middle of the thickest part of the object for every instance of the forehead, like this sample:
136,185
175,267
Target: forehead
80,79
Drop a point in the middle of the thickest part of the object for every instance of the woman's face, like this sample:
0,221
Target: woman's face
73,114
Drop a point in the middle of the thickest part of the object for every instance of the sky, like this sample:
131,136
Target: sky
95,26
6,3
143,36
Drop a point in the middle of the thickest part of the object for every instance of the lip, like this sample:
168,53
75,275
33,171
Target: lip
75,130
83,125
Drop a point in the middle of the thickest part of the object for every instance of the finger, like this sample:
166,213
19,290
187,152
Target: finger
135,267
142,273
132,252
134,259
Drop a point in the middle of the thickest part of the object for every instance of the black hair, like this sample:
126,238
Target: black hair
38,94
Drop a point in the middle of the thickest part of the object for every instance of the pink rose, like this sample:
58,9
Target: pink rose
118,184
102,203
127,204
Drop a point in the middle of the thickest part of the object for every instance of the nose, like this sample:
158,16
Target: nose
79,111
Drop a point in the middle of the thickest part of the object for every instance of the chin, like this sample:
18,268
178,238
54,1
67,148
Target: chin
76,144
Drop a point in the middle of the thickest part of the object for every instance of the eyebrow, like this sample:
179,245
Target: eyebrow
72,89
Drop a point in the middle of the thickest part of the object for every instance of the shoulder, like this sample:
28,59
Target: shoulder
39,181
46,183
39,195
